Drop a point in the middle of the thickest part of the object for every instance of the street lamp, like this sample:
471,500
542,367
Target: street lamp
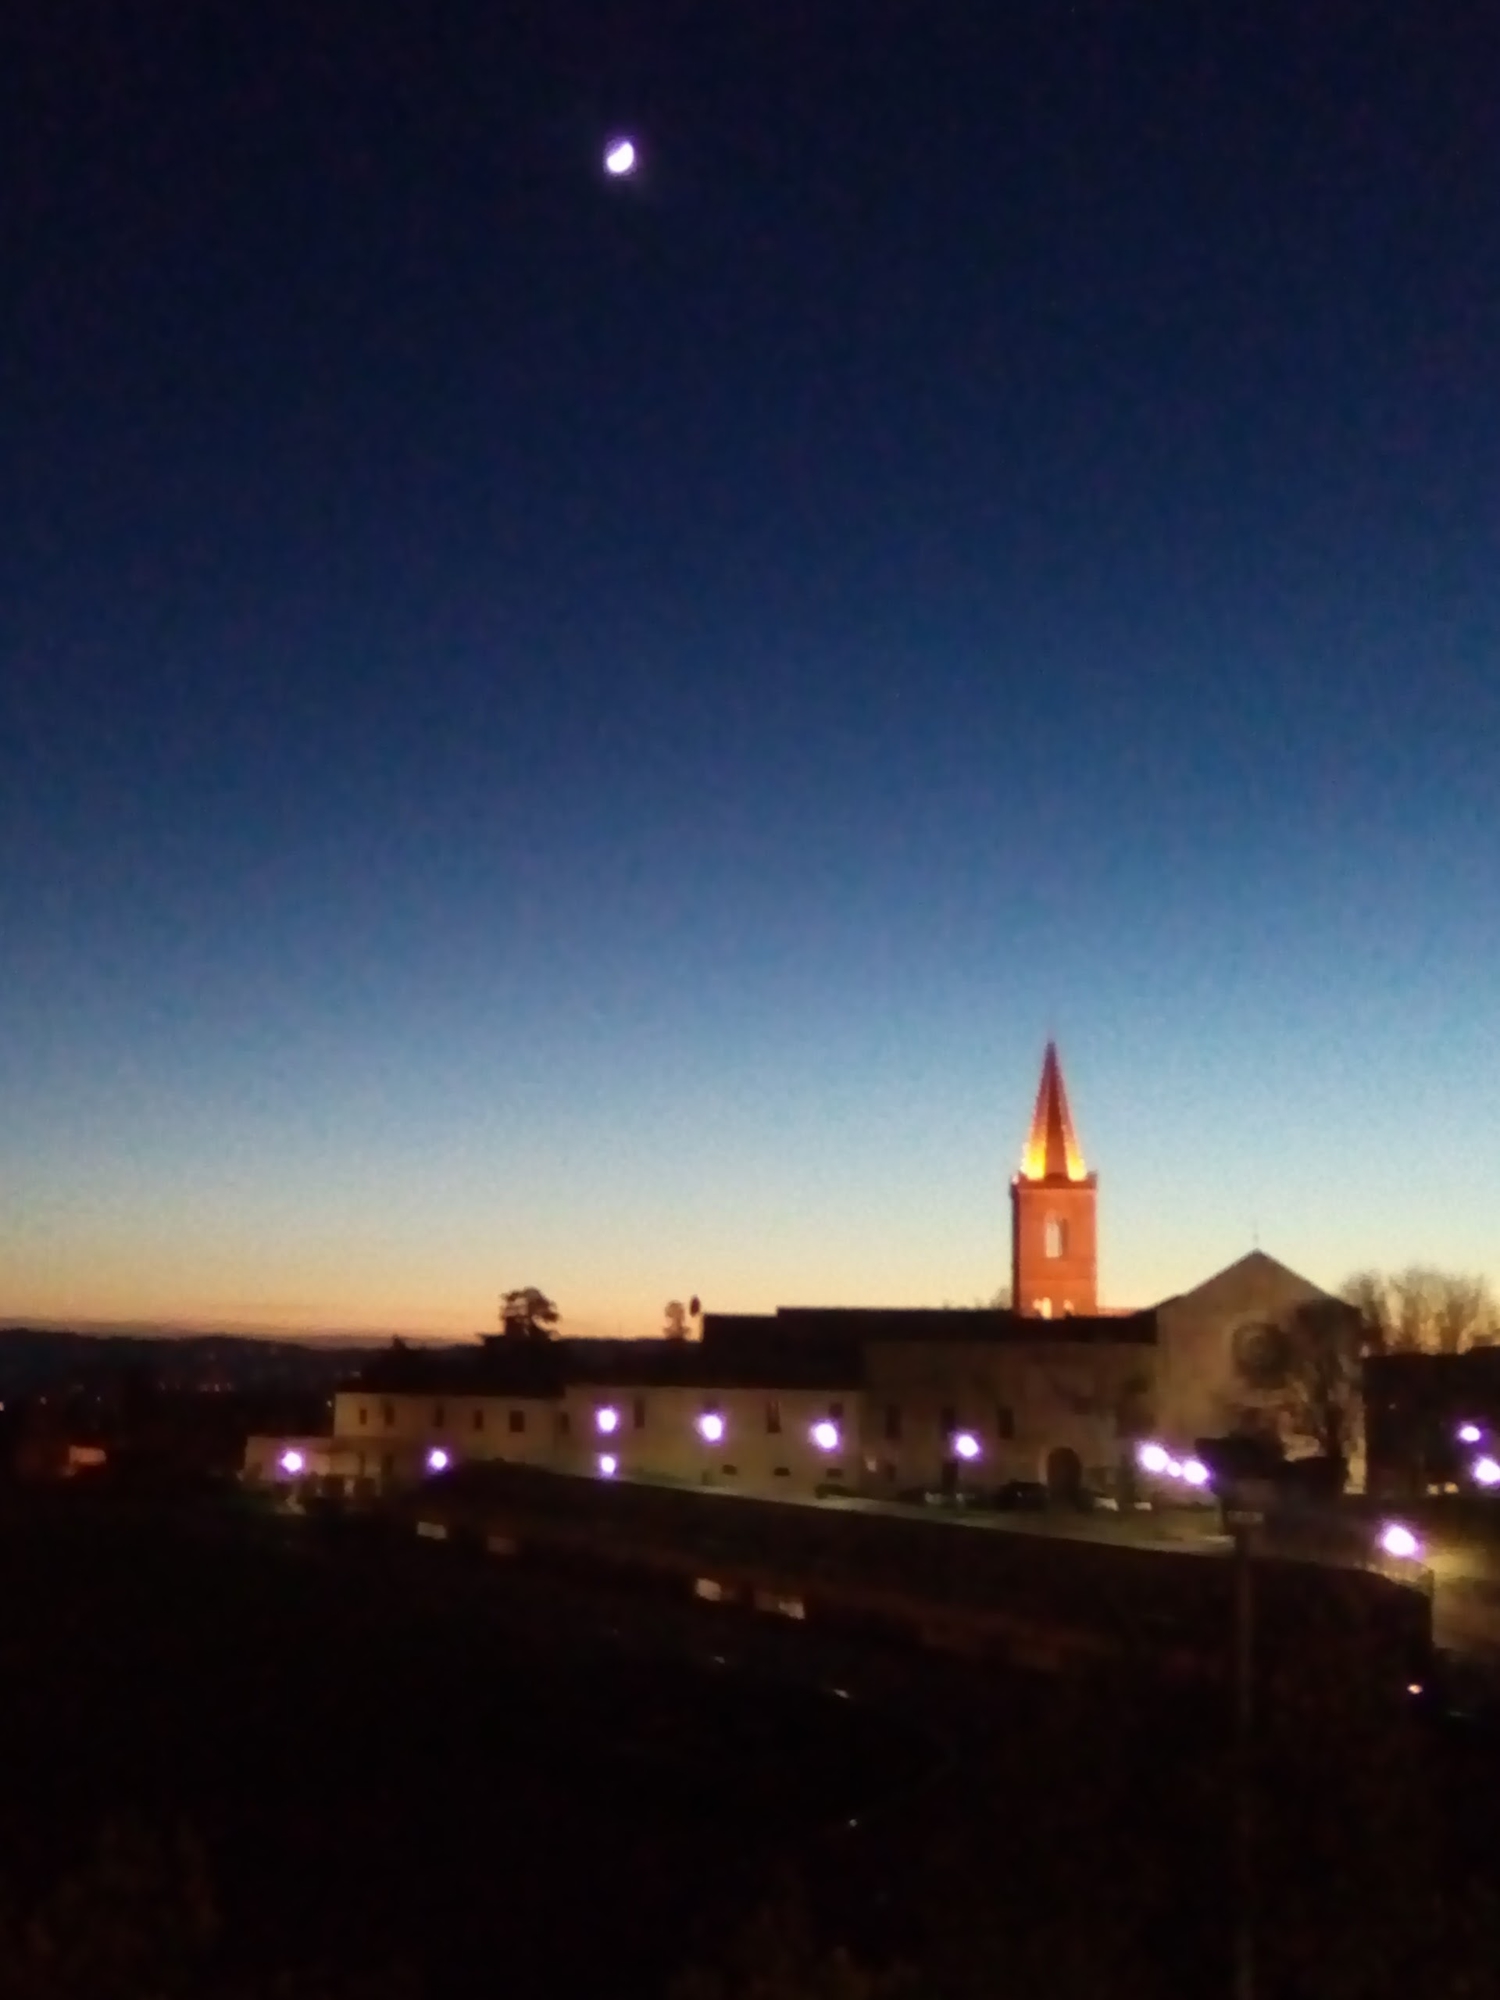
825,1434
1155,1459
711,1427
438,1459
1242,1520
292,1461
609,1465
965,1445
1398,1540
607,1420
1485,1472
1469,1433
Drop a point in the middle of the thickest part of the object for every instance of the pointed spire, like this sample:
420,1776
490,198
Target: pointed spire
1052,1152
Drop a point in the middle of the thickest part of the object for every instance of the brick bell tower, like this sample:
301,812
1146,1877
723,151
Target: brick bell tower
1054,1257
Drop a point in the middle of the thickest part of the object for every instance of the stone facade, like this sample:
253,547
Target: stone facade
1059,1412
1204,1340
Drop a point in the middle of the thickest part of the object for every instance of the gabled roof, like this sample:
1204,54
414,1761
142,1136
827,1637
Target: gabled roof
1052,1150
1256,1279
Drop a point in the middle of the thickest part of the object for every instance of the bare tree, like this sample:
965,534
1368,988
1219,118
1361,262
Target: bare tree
1422,1310
528,1314
676,1326
1326,1345
1306,1369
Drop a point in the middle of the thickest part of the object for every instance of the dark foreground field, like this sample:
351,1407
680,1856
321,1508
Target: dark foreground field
393,1755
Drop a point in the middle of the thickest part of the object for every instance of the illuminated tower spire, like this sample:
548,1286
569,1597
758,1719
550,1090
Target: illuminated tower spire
1053,1199
1052,1152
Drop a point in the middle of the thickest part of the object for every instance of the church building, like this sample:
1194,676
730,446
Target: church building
886,1403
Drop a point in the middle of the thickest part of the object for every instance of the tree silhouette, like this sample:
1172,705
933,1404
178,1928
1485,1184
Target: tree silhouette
1423,1310
1310,1362
528,1314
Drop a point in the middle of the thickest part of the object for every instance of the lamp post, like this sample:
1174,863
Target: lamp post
1244,1503
1243,1522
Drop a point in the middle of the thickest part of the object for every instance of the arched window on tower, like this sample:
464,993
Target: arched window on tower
1055,1237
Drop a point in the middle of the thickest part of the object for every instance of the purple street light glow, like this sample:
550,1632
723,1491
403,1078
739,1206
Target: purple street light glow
1400,1542
1152,1458
825,1435
620,157
966,1444
1195,1472
711,1427
437,1459
292,1461
1486,1472
609,1465
1468,1433
608,1420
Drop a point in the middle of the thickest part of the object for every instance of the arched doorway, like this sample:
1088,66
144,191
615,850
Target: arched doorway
1064,1474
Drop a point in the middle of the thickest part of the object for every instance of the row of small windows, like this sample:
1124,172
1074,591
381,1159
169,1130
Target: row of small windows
948,1423
518,1417
363,1467
515,1419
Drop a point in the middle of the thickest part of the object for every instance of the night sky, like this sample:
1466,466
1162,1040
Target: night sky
583,732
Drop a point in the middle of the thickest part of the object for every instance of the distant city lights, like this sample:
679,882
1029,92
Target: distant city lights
825,1434
1400,1542
609,1465
292,1461
607,1420
438,1459
1486,1472
965,1444
711,1427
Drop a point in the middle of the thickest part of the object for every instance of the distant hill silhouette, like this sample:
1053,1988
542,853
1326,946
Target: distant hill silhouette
41,1359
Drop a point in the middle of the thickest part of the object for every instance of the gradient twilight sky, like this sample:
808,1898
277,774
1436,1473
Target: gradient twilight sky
585,733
